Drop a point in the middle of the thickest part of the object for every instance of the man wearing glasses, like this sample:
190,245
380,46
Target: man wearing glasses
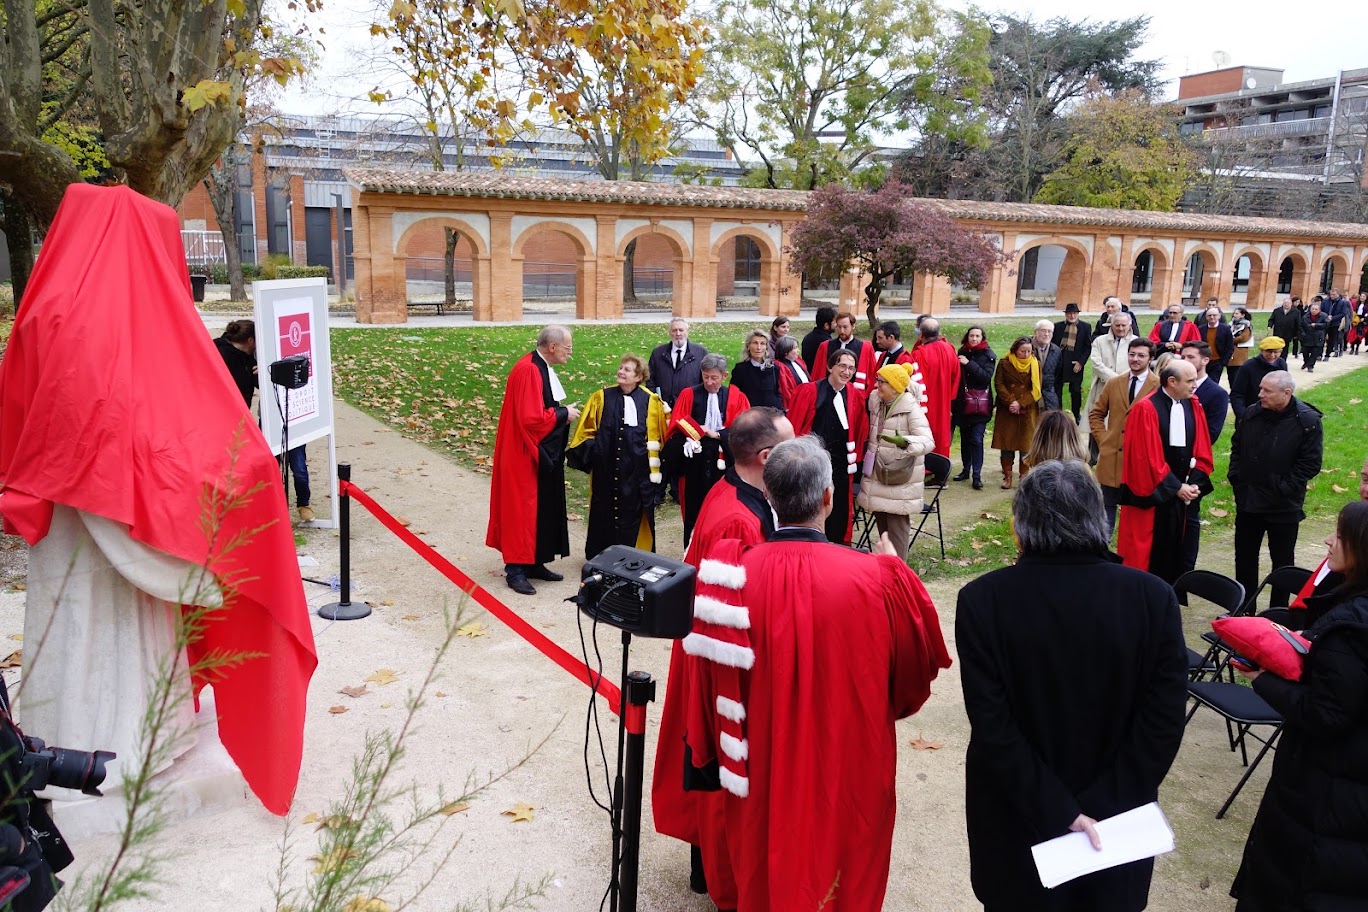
527,515
1170,333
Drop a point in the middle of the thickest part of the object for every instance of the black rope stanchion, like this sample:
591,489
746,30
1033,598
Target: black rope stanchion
639,691
344,609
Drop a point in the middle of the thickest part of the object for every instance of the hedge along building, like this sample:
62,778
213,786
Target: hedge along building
1165,256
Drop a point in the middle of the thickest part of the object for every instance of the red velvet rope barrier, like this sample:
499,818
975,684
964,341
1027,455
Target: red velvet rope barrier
604,687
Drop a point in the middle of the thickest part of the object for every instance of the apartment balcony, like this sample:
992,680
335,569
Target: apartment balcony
1312,126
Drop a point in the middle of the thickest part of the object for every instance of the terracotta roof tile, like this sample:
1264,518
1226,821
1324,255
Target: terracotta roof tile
487,185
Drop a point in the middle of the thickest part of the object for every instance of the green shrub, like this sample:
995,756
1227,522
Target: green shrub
218,273
273,263
301,272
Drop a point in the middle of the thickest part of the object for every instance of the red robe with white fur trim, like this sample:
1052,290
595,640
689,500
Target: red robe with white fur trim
938,363
798,677
803,413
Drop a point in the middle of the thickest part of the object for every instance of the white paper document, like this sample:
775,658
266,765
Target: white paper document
1140,833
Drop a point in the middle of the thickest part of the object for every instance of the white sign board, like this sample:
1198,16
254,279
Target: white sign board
292,319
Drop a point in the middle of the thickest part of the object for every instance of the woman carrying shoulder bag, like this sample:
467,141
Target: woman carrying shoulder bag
894,471
973,406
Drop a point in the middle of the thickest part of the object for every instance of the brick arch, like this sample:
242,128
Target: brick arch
479,266
770,272
1302,280
681,267
1259,295
1342,267
584,247
1161,274
463,227
1075,273
1212,270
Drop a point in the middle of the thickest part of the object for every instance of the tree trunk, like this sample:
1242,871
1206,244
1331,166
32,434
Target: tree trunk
449,264
19,240
873,292
629,295
222,186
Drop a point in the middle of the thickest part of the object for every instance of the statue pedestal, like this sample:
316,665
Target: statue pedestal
203,780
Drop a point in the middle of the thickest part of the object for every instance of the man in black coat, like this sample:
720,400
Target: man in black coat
1074,339
676,365
826,316
1286,321
1219,339
1111,304
1244,392
1051,364
1276,451
1049,752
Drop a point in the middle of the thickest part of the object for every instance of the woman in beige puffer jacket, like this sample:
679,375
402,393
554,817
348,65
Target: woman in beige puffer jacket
899,436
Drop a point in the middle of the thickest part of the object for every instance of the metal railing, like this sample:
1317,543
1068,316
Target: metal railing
203,248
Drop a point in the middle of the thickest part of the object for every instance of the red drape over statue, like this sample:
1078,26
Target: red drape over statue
113,400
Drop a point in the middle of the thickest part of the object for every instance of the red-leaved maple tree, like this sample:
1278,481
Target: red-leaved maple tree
886,231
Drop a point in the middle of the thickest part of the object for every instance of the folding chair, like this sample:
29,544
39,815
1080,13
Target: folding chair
1222,591
937,475
1242,709
862,529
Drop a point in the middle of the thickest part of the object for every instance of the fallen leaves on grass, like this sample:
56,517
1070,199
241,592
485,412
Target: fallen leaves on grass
520,812
383,676
1218,512
1338,490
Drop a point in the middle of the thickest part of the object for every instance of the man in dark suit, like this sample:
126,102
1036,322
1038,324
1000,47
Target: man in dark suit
826,316
1074,339
1216,406
678,364
1215,332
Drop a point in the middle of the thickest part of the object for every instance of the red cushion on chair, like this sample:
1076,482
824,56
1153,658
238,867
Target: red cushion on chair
1270,646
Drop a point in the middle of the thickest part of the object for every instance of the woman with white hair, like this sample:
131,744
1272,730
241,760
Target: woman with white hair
1051,753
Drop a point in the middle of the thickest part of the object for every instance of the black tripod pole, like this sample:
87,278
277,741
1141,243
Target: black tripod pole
639,690
344,609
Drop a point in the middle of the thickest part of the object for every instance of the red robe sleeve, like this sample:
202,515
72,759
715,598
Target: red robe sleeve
681,417
737,402
864,369
819,362
804,408
787,384
919,651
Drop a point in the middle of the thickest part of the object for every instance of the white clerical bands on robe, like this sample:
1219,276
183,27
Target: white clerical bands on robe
557,391
1177,429
797,369
653,447
839,402
851,467
713,417
629,411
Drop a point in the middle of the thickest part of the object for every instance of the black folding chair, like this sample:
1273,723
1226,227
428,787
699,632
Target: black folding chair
937,476
1242,709
1222,591
862,529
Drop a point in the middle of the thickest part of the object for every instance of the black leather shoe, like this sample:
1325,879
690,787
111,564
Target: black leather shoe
517,581
962,476
539,572
978,484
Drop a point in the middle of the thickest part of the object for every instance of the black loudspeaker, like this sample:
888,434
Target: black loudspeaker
291,372
639,592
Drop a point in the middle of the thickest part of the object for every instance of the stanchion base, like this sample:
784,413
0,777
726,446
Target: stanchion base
344,611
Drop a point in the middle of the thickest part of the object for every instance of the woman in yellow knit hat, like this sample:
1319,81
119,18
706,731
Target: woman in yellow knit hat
899,438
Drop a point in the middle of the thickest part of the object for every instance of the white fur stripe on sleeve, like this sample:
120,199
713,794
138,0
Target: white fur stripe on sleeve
724,615
730,709
717,573
735,748
729,654
737,785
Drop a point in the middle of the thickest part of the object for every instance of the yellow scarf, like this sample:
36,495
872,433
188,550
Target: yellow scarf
1029,366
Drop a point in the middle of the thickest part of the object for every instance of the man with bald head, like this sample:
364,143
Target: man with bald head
527,515
1166,465
938,362
1275,453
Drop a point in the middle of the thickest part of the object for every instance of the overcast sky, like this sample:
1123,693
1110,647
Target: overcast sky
1184,35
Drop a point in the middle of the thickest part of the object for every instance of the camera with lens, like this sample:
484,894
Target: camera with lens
31,849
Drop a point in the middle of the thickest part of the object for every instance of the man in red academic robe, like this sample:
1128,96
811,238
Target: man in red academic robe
114,403
527,515
836,412
734,509
806,657
1166,465
938,362
1170,333
863,377
695,450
